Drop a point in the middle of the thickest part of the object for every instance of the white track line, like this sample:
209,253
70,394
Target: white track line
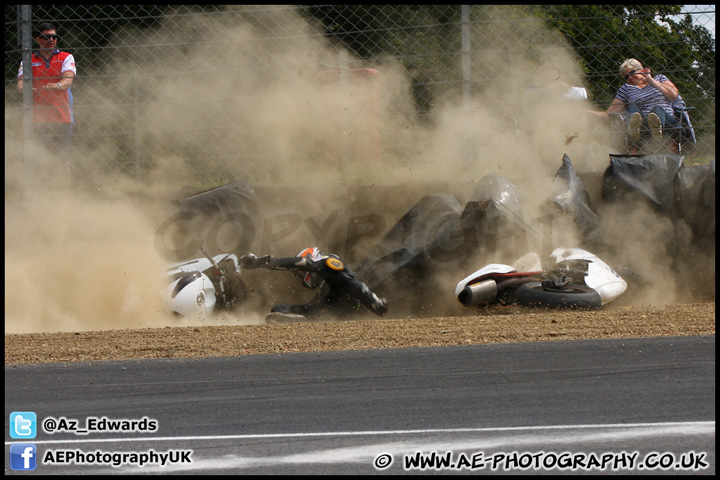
701,425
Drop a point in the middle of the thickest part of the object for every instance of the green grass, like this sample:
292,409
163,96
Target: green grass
692,160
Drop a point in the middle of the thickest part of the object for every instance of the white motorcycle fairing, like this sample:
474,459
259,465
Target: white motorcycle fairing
191,291
600,276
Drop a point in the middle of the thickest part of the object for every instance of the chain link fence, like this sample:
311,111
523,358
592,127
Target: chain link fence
196,96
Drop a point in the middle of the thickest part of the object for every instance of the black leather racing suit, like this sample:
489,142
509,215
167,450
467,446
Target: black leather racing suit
341,293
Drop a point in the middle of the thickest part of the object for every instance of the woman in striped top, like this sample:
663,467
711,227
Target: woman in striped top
644,102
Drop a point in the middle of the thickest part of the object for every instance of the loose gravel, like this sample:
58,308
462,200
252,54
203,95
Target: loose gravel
484,326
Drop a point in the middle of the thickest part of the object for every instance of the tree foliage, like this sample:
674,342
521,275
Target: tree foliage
602,36
427,38
605,35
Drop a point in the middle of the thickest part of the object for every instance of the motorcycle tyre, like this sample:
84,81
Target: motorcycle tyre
579,297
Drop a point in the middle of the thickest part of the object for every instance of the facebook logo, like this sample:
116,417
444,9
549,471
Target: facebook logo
23,425
23,456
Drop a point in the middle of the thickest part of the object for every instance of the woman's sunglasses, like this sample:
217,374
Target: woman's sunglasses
631,72
48,37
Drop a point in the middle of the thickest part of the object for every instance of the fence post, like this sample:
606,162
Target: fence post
467,78
24,12
137,125
345,147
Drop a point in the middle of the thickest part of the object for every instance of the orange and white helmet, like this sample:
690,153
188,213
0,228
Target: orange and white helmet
313,253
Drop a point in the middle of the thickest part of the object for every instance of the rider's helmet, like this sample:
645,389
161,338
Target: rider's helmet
313,253
311,280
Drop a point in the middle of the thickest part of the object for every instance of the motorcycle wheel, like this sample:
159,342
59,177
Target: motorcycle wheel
572,296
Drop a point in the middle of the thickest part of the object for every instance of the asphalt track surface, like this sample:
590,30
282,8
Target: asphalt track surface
633,405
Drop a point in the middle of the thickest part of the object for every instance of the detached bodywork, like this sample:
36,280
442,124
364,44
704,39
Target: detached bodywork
573,278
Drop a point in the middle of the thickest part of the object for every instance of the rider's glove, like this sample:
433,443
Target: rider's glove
249,261
253,261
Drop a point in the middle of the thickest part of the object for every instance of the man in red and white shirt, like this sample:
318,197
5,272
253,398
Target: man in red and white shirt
53,73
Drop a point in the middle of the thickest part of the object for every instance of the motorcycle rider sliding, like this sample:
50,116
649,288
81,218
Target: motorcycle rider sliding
341,292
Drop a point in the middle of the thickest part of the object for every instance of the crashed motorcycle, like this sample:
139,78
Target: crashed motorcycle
203,286
574,279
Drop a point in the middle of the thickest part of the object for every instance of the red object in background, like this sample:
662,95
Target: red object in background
327,76
363,128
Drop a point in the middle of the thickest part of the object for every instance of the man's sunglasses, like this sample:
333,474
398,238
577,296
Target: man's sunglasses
48,37
631,72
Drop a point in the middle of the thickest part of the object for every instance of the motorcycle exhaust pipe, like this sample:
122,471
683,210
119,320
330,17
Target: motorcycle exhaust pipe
480,293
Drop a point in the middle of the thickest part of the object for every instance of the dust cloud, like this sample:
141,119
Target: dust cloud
86,259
